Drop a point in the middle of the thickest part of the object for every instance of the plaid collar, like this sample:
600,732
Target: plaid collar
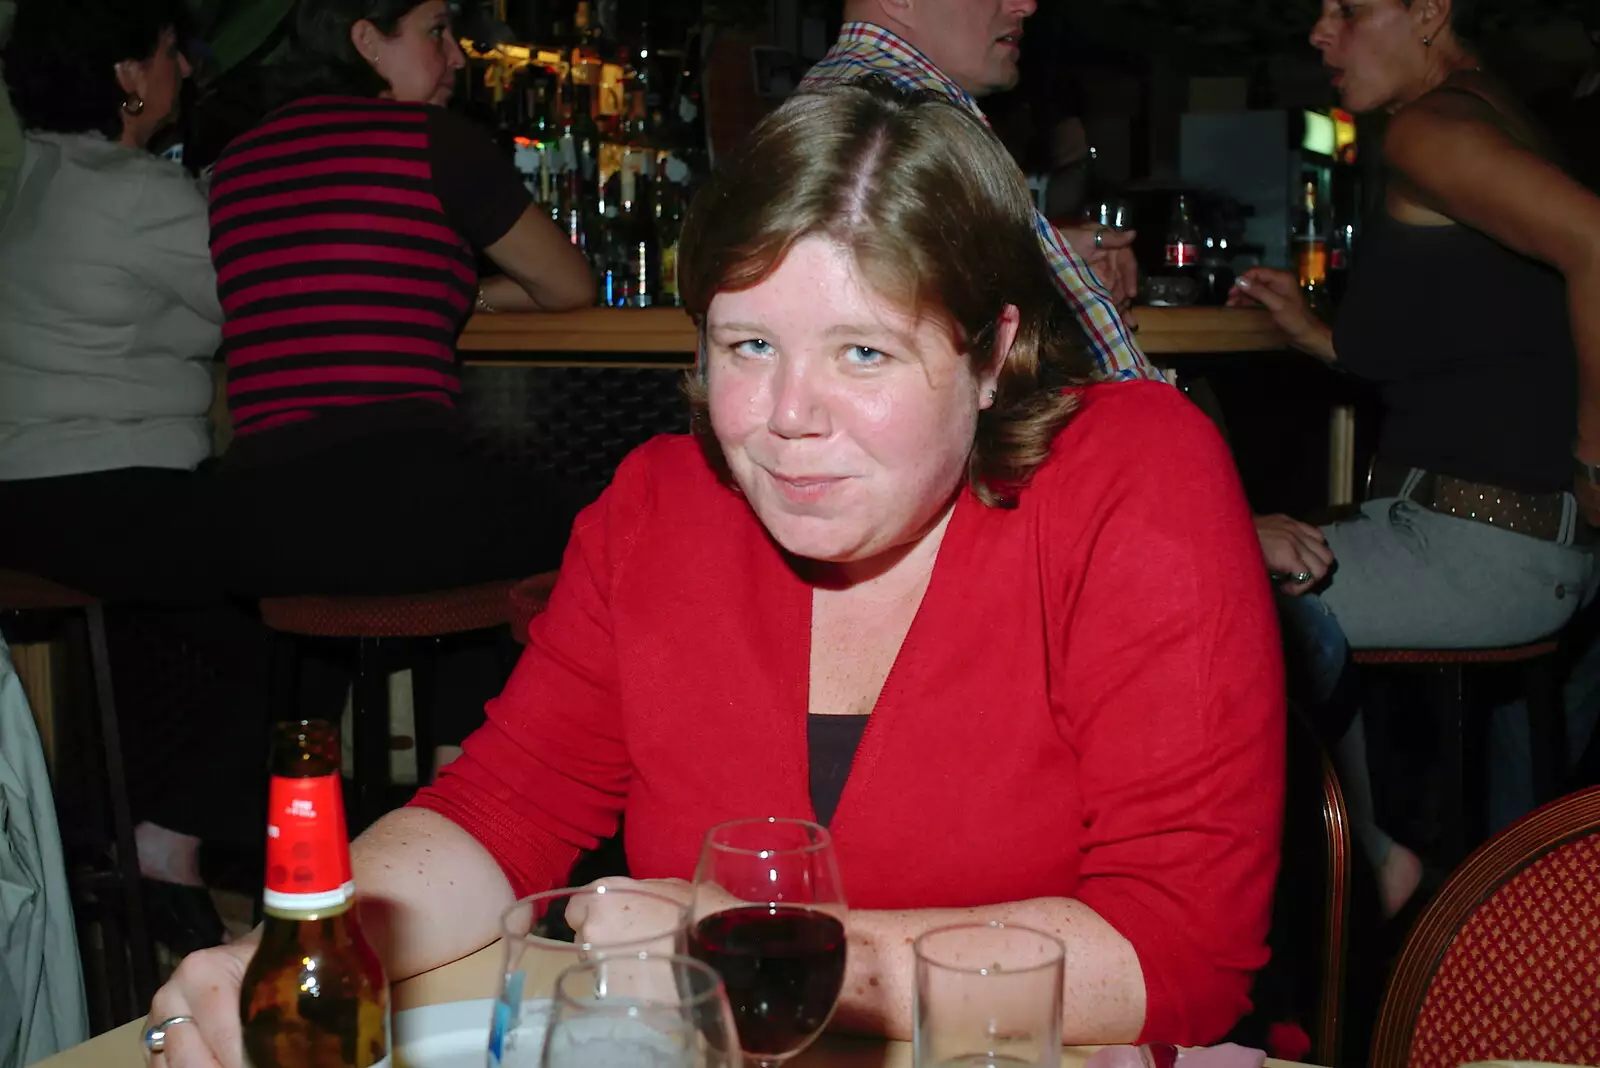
873,45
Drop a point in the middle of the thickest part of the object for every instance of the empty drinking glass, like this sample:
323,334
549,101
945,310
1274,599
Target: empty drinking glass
640,1010
540,941
988,995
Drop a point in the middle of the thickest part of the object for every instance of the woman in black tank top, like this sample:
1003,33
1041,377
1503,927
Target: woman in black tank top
1474,307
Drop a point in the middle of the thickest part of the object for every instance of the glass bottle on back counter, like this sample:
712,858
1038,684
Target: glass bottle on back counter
314,995
1309,242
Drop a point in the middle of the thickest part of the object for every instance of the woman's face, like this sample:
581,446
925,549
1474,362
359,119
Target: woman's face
420,61
157,80
1375,50
846,422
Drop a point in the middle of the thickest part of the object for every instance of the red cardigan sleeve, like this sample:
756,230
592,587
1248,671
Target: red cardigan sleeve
547,775
1173,677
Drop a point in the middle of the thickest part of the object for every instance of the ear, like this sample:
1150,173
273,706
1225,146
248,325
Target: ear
130,76
1432,16
363,36
1005,336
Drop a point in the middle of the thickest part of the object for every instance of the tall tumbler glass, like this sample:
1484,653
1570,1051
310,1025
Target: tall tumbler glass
547,933
641,1010
988,995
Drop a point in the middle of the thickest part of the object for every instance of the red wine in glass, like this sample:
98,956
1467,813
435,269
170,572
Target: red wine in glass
783,967
768,915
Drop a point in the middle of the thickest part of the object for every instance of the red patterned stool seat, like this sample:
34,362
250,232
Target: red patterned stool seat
20,591
1512,654
382,627
417,615
1505,962
528,599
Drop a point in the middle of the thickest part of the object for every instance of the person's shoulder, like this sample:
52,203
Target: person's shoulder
1127,434
1134,417
667,471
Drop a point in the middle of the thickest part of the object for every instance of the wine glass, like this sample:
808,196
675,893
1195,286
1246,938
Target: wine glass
768,914
539,943
640,1010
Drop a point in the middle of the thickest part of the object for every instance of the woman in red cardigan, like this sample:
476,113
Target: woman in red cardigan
1005,631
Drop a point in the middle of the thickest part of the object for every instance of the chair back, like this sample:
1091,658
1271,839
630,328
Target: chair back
1504,964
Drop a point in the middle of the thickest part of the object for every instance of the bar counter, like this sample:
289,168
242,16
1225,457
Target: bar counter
619,332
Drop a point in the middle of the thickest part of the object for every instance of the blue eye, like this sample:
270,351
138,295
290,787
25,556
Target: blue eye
862,356
753,347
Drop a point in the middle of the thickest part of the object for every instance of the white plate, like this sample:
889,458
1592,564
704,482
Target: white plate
452,1035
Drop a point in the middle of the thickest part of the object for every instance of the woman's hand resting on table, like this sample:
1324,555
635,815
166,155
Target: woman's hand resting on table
1294,548
1279,293
205,986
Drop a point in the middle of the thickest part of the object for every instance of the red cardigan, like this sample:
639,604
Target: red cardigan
1089,703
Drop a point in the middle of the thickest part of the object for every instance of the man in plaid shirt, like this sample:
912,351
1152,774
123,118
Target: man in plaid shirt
965,49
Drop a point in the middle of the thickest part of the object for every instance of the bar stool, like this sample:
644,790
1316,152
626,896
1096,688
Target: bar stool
103,870
389,632
1453,673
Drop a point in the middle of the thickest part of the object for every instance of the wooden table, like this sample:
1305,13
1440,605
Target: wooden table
475,977
613,332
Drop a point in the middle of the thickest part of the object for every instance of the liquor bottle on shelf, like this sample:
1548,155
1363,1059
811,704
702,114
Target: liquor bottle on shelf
668,219
1309,241
314,995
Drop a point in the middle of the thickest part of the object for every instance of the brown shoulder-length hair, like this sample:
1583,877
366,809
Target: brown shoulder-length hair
938,219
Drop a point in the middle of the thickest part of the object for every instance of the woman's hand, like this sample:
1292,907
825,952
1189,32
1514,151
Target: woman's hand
1279,293
1294,548
601,920
205,986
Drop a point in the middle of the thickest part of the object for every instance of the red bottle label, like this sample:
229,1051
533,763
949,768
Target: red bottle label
308,848
1182,254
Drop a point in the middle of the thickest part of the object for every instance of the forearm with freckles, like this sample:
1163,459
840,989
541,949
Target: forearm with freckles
429,893
1104,997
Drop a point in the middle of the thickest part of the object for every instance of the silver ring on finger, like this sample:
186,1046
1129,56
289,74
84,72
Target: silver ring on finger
155,1038
1100,238
1302,577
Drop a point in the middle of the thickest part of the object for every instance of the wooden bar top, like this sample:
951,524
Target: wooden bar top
621,331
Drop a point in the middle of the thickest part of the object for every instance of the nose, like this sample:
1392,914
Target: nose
1322,32
1025,8
185,68
798,406
454,58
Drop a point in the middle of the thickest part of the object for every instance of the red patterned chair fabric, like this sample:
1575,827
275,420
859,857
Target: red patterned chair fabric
418,615
1505,963
20,591
1509,655
528,599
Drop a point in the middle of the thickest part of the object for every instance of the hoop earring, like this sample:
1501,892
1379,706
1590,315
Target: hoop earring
133,104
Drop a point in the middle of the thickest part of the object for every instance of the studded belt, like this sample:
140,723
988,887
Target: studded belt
1546,516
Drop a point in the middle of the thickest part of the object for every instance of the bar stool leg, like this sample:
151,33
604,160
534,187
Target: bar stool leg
424,682
1453,830
371,728
1547,729
127,857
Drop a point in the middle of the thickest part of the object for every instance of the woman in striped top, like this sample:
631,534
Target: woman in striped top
344,229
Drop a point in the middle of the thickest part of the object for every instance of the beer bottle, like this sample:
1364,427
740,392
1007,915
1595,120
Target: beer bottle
314,995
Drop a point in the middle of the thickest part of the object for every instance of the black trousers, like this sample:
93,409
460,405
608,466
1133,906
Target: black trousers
389,513
180,555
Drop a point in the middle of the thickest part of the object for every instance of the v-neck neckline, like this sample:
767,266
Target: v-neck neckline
884,715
